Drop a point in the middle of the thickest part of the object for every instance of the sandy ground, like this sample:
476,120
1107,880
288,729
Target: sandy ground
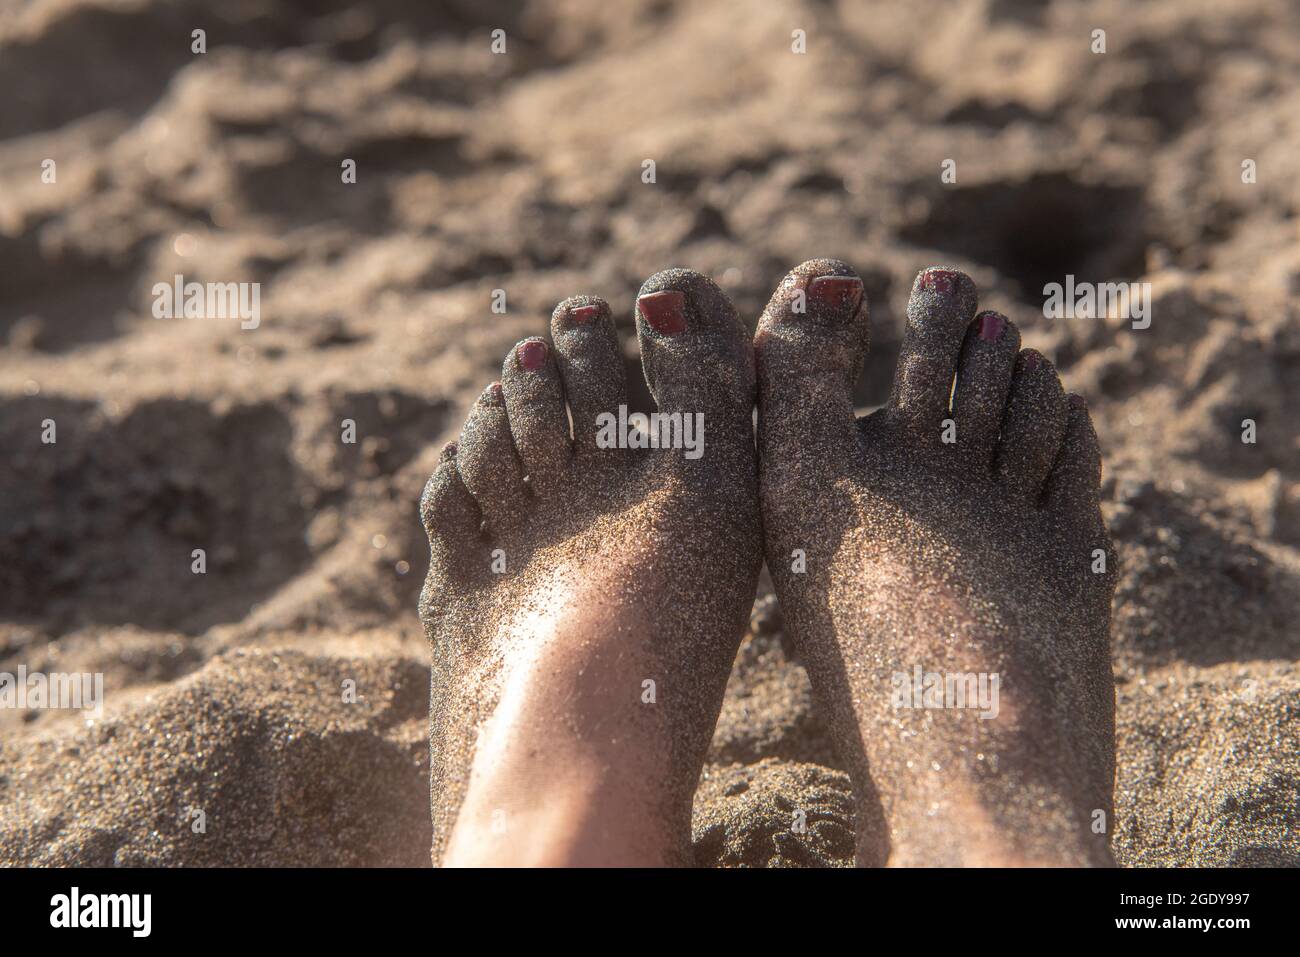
523,172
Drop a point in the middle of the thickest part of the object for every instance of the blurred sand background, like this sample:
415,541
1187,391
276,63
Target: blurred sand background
523,172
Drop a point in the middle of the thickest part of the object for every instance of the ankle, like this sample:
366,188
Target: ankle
583,818
965,828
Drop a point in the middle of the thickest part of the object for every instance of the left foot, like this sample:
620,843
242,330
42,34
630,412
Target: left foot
585,603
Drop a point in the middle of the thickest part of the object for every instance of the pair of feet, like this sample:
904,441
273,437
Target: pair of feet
941,563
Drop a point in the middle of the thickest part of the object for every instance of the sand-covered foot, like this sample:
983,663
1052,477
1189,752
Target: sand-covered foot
940,565
586,595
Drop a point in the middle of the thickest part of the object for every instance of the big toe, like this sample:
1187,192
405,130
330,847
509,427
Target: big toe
697,353
695,349
809,348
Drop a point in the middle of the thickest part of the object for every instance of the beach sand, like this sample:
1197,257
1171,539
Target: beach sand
228,692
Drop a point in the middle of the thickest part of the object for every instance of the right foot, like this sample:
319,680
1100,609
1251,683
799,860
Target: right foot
970,557
585,603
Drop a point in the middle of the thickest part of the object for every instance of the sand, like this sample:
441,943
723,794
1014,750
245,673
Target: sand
523,172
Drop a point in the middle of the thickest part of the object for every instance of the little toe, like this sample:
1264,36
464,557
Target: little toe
1033,426
450,515
983,381
452,521
489,465
808,350
938,314
1074,484
1073,496
534,399
590,364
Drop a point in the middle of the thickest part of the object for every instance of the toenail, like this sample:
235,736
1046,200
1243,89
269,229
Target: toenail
837,292
1078,401
449,449
532,354
1032,360
492,393
584,314
665,311
942,281
991,326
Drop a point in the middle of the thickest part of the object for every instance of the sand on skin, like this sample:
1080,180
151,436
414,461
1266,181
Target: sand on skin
523,173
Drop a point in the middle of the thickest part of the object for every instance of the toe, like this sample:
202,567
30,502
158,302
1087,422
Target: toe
1073,496
534,401
940,310
698,358
695,350
809,348
488,463
1033,426
1075,481
450,515
590,364
983,381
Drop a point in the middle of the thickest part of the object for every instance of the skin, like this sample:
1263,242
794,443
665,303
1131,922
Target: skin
624,567
972,556
614,569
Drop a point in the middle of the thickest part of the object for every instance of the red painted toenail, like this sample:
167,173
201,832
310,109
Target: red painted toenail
837,292
1078,401
665,311
532,354
942,281
1032,360
584,314
449,450
492,393
991,326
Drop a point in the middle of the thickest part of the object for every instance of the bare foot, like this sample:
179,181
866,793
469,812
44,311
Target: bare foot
585,603
932,568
